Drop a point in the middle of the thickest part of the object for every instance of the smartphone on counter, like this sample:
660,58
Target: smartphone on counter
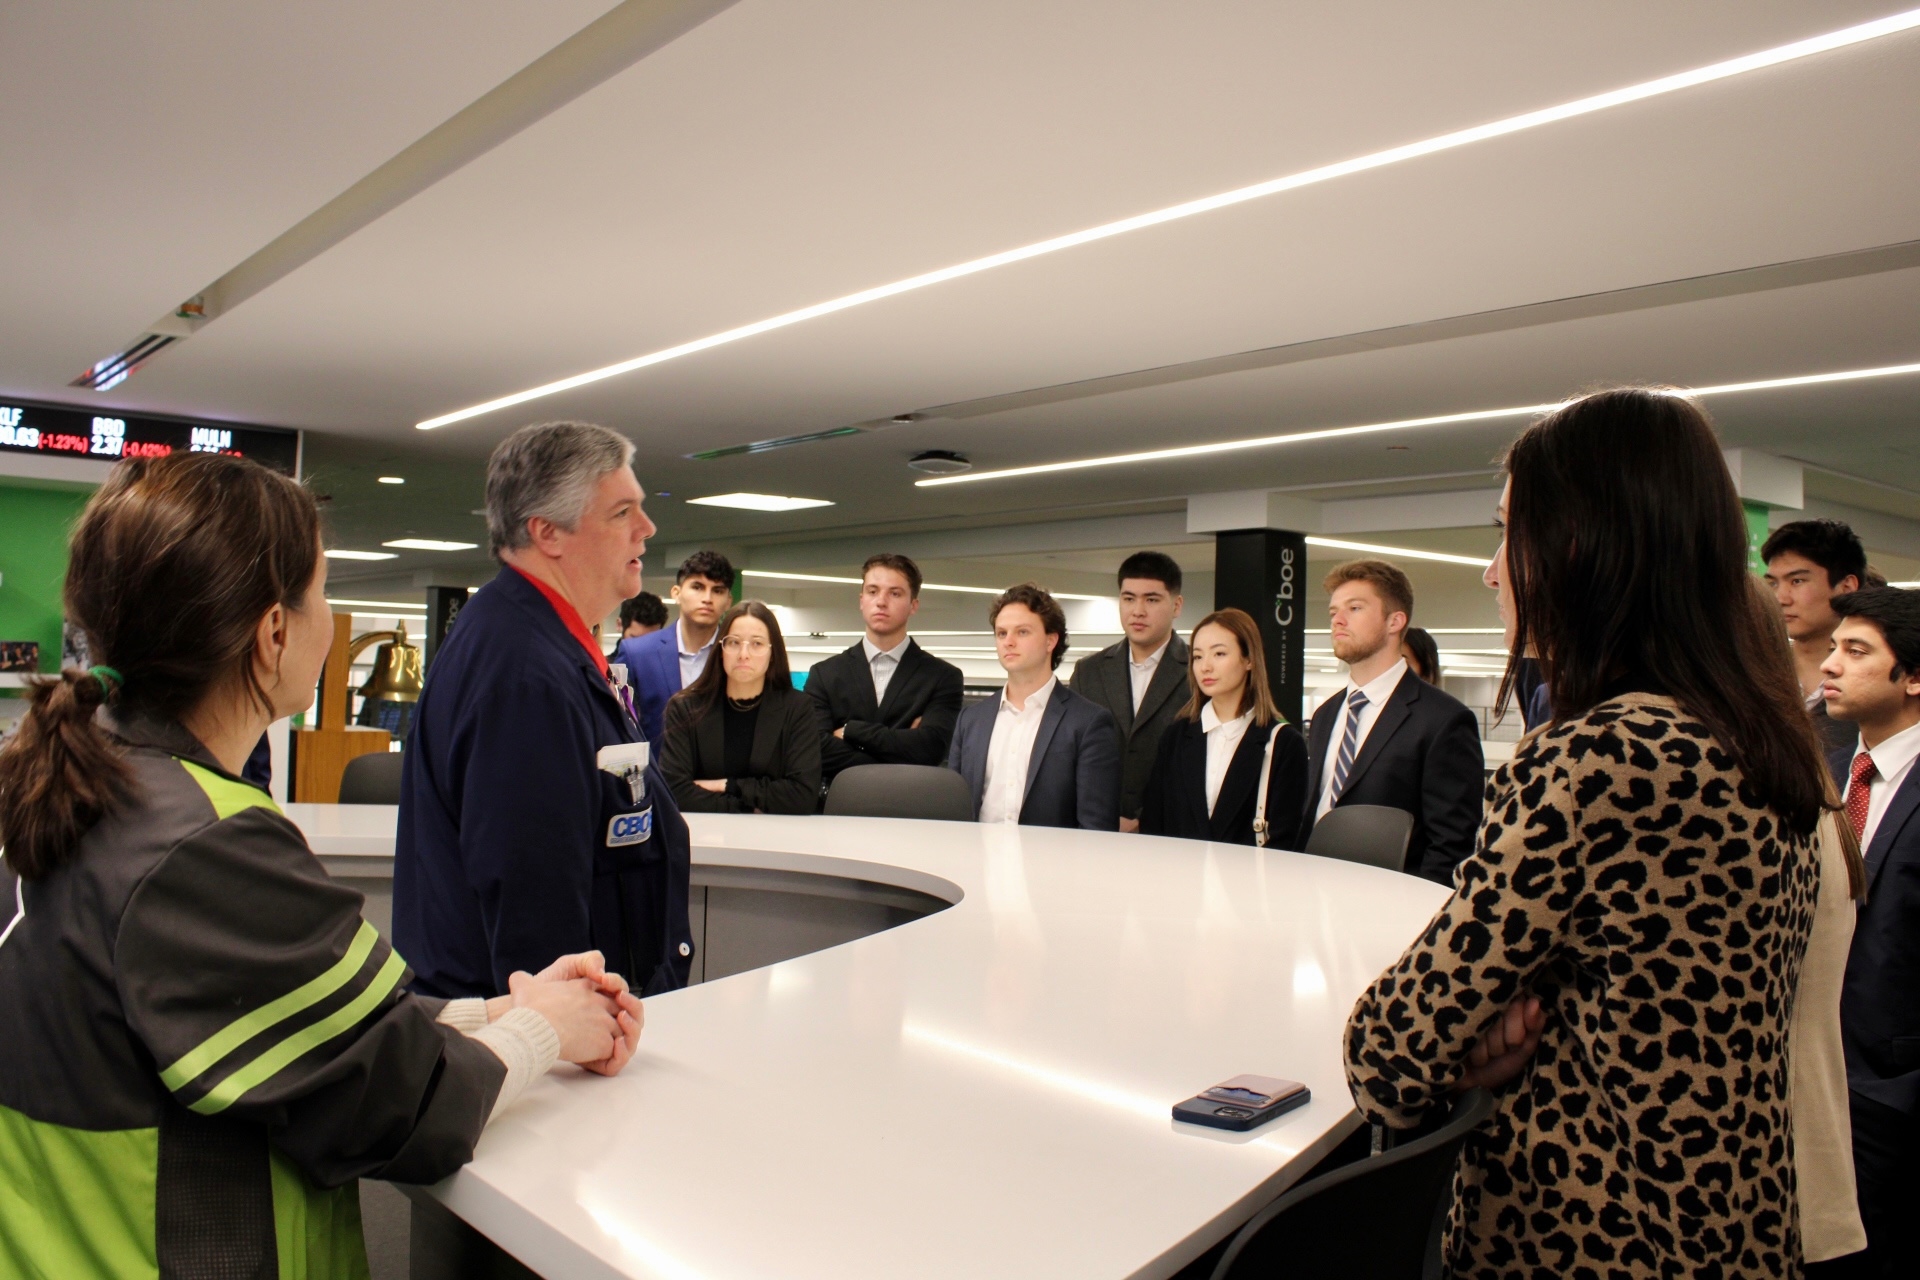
1242,1103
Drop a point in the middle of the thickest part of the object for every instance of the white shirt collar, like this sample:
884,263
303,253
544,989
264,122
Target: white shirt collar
1381,687
1038,698
1152,659
680,639
1892,756
1210,719
898,651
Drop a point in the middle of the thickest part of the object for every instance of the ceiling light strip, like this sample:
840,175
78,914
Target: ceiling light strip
1310,177
1375,548
925,586
1400,424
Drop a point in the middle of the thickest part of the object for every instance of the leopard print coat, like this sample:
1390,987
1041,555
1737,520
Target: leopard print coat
1660,915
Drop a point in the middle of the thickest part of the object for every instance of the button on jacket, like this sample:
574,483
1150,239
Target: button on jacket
514,847
203,1044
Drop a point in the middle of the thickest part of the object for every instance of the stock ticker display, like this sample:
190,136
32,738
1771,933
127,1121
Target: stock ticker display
53,431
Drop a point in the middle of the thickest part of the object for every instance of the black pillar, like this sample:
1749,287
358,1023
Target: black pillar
443,606
1263,571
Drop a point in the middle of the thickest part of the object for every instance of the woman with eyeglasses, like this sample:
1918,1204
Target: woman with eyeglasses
741,738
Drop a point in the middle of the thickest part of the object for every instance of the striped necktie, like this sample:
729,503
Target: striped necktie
1349,744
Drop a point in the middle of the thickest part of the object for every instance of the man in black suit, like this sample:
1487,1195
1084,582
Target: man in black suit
1808,563
1039,754
1390,738
1872,679
885,700
1142,681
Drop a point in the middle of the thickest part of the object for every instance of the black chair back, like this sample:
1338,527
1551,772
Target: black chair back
1369,1220
900,791
372,779
1371,833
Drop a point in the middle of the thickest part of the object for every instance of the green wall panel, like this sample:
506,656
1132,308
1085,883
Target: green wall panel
33,564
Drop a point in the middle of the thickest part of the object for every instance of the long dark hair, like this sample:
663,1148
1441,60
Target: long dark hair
169,570
704,694
1255,693
1627,560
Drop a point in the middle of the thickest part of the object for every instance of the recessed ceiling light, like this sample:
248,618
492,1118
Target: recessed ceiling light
1173,213
429,544
337,554
758,502
940,462
1400,424
393,479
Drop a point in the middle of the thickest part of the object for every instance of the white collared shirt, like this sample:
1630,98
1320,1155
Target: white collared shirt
1891,761
1378,690
1141,673
692,662
1223,739
1010,752
883,663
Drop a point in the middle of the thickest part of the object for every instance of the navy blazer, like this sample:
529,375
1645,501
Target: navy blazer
513,846
1880,999
653,669
1422,756
1073,775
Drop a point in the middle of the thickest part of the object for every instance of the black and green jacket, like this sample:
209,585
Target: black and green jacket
203,1045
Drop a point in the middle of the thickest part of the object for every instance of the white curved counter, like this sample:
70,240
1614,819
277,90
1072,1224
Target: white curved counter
984,1091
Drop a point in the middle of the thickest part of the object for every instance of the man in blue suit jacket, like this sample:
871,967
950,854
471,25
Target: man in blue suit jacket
662,663
1872,678
527,828
1039,753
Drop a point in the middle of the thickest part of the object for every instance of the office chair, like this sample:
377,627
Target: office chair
900,791
372,779
1370,1220
1369,833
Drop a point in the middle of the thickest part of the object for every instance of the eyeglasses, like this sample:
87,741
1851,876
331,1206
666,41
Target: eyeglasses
734,644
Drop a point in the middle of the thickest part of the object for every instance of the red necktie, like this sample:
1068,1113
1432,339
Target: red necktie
1859,794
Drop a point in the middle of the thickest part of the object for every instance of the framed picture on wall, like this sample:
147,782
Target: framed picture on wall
19,655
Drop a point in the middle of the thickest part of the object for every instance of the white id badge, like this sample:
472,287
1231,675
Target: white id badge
622,756
630,828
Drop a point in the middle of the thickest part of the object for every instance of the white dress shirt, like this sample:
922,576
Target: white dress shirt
883,663
1141,673
1010,752
694,661
1223,739
1378,690
1891,761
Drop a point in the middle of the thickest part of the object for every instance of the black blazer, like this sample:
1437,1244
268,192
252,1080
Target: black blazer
1104,678
1176,803
783,771
923,688
1423,756
1073,775
1880,998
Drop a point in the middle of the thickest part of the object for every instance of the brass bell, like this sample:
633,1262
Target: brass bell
398,672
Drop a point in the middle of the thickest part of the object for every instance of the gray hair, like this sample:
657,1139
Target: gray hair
548,470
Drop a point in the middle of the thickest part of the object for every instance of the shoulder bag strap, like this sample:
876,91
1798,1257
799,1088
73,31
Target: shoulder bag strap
1260,800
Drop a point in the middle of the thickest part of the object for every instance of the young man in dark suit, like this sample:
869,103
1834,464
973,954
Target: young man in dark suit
1038,754
1808,563
1871,679
662,663
1390,738
1142,681
885,700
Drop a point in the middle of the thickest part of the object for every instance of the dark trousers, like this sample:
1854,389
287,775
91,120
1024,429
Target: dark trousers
1886,1165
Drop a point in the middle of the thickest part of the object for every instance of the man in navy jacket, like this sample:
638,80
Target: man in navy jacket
1872,678
527,829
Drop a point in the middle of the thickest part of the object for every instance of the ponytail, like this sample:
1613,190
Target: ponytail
59,774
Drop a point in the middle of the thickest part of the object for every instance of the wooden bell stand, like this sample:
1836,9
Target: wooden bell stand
320,754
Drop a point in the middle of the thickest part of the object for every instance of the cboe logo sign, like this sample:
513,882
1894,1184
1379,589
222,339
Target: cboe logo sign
1283,602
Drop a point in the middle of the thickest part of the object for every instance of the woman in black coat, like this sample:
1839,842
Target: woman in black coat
741,738
1207,774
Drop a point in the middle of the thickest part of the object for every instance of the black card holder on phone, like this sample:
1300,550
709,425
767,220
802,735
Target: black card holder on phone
1242,1103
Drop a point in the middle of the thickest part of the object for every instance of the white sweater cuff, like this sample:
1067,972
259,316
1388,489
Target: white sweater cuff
528,1044
465,1015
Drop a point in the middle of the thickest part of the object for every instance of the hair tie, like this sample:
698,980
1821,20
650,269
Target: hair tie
107,676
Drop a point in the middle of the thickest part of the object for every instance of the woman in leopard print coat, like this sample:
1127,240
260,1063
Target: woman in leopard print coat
1649,884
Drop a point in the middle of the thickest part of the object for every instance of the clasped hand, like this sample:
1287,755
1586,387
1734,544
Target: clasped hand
596,1017
1502,1050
